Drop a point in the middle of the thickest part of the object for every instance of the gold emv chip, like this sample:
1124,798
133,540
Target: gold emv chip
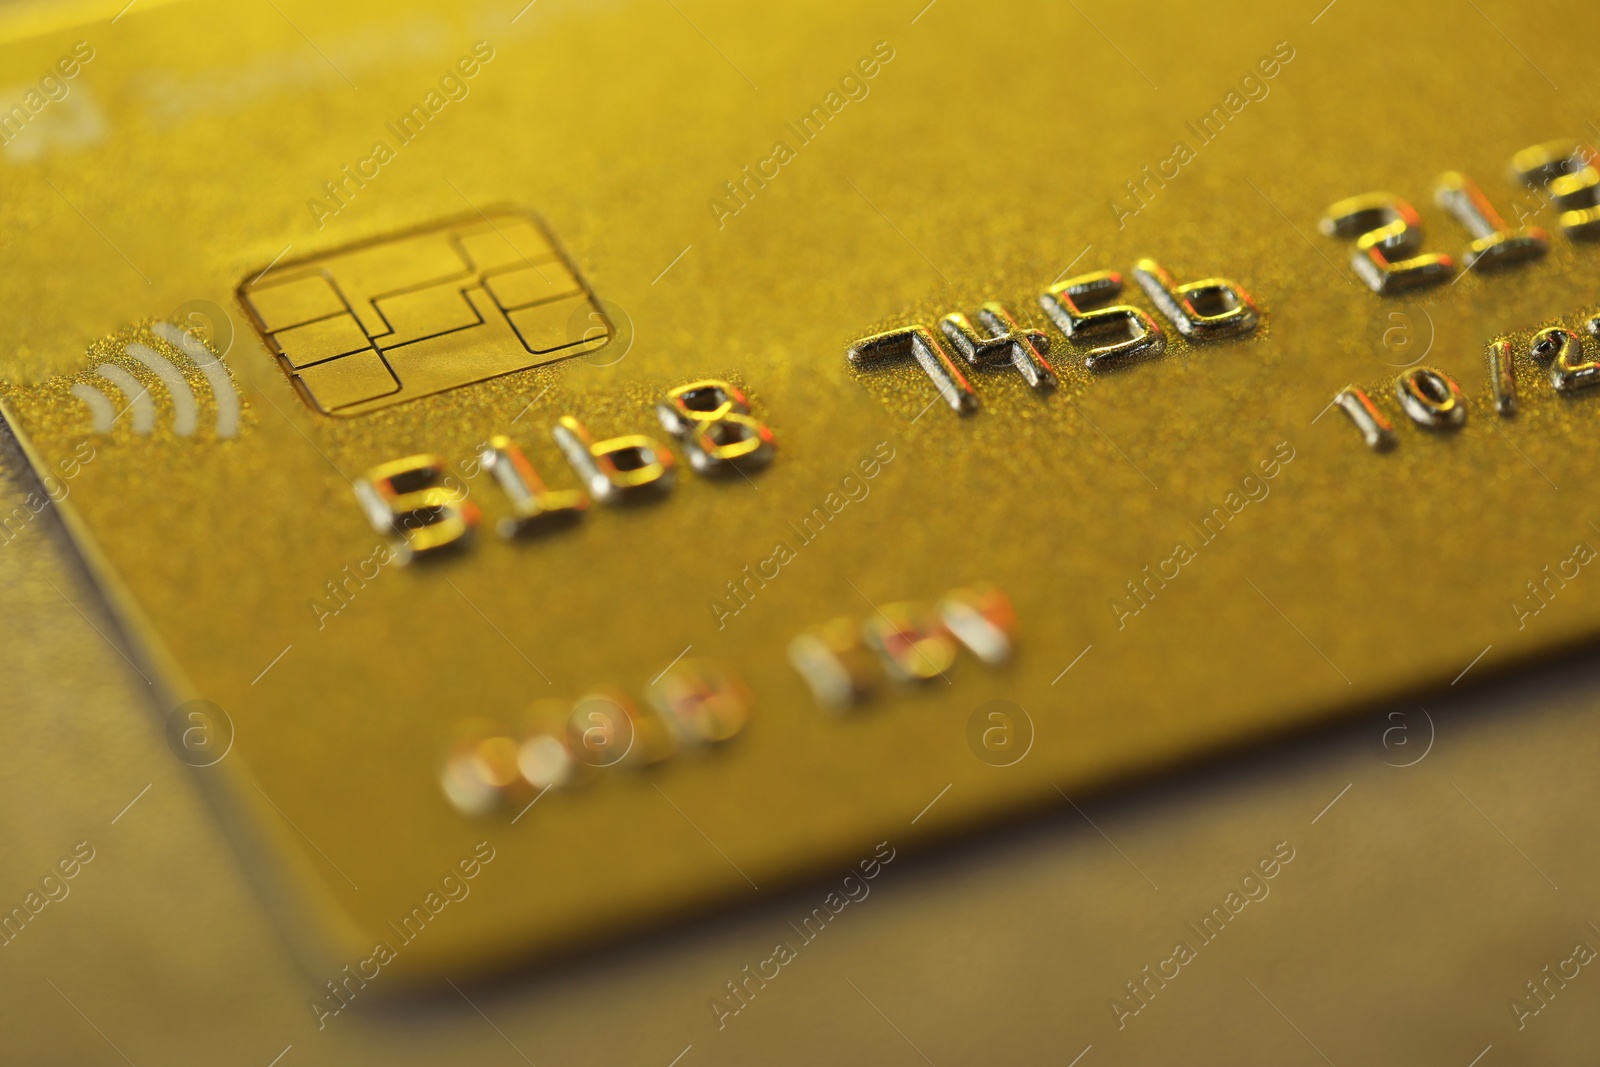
387,321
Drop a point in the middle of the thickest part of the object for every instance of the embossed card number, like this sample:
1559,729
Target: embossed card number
410,500
1209,310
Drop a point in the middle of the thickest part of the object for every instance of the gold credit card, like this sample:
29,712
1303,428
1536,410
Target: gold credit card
605,462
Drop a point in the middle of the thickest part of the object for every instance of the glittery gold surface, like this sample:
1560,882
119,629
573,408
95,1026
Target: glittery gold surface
1358,577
